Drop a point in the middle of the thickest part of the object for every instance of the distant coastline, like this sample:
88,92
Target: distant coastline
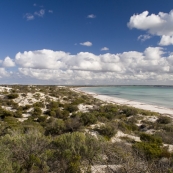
136,104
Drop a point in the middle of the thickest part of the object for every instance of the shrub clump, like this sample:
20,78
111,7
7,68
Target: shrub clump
88,119
164,120
12,96
107,130
151,146
129,111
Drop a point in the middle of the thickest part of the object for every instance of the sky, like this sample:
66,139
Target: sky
86,42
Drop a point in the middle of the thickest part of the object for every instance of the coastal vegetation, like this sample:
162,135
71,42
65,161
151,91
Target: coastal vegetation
56,129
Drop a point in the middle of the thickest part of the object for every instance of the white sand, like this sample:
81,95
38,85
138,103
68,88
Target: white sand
84,108
119,134
102,168
153,108
170,147
3,89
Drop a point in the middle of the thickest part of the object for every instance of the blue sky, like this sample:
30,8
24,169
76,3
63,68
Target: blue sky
86,42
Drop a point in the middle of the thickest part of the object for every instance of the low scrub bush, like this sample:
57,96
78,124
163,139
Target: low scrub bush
127,127
129,111
54,127
73,124
71,108
151,146
36,112
167,137
164,120
76,151
12,96
18,114
108,130
151,139
150,150
39,104
5,113
88,119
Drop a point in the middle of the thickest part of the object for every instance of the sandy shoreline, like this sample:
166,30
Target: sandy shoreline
153,108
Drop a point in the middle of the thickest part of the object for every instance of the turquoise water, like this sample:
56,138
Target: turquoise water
153,95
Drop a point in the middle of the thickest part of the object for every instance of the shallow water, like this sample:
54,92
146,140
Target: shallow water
153,95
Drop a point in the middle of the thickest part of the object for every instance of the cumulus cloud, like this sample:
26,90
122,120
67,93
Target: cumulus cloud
40,13
153,64
29,16
166,40
91,16
87,43
144,37
160,24
3,73
41,59
88,68
8,62
104,48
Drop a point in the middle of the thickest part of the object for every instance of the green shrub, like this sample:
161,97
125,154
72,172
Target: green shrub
54,126
129,111
168,128
5,113
18,114
108,130
88,119
151,138
52,113
12,122
38,104
151,146
53,105
167,137
73,124
127,127
36,112
65,114
76,151
26,107
150,150
42,119
12,96
71,108
164,120
28,152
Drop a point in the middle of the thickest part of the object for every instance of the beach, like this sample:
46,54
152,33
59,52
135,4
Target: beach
119,101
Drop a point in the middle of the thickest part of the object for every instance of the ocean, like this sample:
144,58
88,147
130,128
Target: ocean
153,95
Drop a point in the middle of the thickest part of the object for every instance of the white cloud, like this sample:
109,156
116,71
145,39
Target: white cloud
8,62
87,43
91,16
153,64
3,73
59,66
166,40
160,25
29,16
104,48
144,37
41,59
144,21
40,13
